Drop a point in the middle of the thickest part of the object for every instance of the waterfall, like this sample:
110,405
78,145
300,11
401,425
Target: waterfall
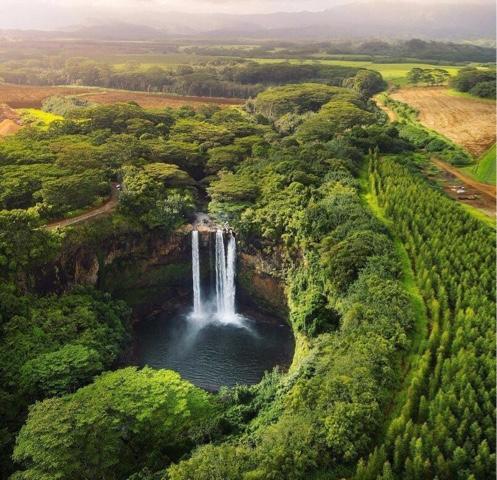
197,294
225,278
229,288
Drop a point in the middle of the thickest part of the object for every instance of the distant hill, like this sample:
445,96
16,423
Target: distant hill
370,19
454,21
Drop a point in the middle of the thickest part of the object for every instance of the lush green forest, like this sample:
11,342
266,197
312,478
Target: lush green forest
375,50
480,83
213,78
390,285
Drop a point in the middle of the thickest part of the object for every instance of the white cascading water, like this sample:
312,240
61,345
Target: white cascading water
197,294
225,278
229,288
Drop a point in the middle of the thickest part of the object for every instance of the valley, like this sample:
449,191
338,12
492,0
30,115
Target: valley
246,259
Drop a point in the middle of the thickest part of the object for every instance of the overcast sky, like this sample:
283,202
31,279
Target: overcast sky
47,14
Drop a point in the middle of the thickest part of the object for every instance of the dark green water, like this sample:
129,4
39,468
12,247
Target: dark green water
213,354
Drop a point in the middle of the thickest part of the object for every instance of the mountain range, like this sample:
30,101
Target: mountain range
406,19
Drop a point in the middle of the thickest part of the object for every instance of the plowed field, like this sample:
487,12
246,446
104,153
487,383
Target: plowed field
466,121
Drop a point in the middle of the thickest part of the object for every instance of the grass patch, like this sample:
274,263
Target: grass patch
484,170
455,93
39,118
479,215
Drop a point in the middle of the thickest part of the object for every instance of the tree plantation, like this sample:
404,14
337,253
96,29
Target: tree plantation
305,207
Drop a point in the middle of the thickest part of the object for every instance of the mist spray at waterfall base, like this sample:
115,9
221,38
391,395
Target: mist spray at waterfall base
208,342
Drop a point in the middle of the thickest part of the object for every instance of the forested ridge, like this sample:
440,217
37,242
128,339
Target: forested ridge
284,172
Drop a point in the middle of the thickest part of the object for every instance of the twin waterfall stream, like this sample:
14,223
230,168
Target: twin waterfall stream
225,261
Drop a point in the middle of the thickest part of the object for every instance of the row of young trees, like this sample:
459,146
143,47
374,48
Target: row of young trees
446,427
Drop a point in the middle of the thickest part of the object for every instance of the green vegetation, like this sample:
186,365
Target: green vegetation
428,76
215,78
52,345
390,285
394,72
476,82
373,51
484,170
157,413
446,426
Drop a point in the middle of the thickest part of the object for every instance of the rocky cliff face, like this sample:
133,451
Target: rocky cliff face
259,284
152,271
143,269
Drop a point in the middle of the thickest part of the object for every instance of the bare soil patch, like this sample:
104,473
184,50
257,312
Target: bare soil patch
464,189
10,121
156,100
8,127
27,96
468,122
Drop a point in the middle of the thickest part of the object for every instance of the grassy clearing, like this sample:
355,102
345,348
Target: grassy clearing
38,117
484,170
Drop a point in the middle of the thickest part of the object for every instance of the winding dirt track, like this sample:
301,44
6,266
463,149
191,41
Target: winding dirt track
466,121
483,188
107,207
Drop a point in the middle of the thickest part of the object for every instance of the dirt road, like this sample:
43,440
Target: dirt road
482,188
107,207
479,195
466,121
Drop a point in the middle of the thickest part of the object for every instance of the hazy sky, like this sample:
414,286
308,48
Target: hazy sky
59,13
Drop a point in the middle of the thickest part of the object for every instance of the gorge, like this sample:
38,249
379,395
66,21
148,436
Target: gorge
210,343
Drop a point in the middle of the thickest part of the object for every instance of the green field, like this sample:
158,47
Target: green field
394,72
484,170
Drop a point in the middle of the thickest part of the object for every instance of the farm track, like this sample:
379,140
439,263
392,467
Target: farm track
109,206
482,188
392,116
468,122
479,195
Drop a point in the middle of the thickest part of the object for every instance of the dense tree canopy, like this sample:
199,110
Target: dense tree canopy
390,286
